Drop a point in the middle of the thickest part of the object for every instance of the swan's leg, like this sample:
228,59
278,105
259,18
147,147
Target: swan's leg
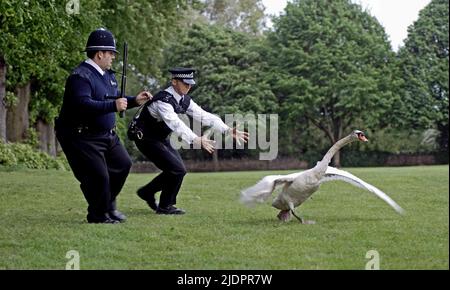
291,207
300,219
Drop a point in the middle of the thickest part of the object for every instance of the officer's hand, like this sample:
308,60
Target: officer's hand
121,104
239,135
143,97
205,143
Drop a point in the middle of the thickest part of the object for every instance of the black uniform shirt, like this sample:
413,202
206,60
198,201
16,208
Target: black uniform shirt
85,101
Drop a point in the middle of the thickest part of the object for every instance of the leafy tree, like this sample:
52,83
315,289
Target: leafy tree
241,15
40,42
230,71
332,67
424,66
2,99
145,25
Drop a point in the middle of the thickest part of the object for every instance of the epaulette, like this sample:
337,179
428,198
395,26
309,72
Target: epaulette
82,72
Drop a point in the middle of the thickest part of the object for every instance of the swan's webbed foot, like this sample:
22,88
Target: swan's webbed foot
284,215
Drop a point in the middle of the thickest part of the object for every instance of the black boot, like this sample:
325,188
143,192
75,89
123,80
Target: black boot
100,219
149,198
170,210
115,214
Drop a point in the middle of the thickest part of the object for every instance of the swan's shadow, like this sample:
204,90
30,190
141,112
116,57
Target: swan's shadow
322,220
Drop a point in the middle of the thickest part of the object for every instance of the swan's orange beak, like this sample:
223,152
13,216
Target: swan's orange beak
363,138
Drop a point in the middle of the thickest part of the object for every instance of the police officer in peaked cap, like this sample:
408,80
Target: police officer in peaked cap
85,128
158,119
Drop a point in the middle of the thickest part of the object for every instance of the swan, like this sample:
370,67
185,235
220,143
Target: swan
298,187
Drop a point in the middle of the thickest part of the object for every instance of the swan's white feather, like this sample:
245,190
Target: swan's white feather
262,190
337,174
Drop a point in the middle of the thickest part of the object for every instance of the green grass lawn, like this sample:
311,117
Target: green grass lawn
43,217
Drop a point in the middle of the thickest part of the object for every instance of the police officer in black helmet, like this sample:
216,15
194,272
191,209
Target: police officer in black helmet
85,128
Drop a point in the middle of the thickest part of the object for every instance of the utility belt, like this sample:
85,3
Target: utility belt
81,130
88,131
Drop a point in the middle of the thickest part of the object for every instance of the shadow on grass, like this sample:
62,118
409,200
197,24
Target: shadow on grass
50,220
245,220
141,212
255,221
355,219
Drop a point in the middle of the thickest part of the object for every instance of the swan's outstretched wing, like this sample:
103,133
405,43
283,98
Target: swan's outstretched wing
262,190
337,174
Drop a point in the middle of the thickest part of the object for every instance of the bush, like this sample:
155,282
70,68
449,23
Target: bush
23,155
7,157
62,162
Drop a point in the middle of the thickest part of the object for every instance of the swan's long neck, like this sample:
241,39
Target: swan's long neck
335,148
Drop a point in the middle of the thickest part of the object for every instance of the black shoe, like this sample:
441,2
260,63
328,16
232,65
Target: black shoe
150,199
117,216
103,219
170,210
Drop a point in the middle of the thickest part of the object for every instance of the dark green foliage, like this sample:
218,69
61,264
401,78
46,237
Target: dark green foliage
7,157
363,158
145,25
230,71
240,15
332,66
17,155
41,42
424,63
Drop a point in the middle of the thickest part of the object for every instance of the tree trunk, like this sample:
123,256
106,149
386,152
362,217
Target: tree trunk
51,140
443,137
334,134
17,117
46,137
2,99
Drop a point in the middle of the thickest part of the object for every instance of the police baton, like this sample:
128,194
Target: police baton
124,78
124,74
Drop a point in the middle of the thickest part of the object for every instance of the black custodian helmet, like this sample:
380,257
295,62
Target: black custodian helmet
101,39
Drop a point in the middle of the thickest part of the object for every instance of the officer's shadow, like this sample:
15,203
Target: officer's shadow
140,212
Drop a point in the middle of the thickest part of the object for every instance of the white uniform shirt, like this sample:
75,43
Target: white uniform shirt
164,112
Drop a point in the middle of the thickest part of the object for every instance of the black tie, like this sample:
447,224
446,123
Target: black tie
181,101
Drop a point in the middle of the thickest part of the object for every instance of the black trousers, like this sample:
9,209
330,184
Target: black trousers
100,163
166,158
